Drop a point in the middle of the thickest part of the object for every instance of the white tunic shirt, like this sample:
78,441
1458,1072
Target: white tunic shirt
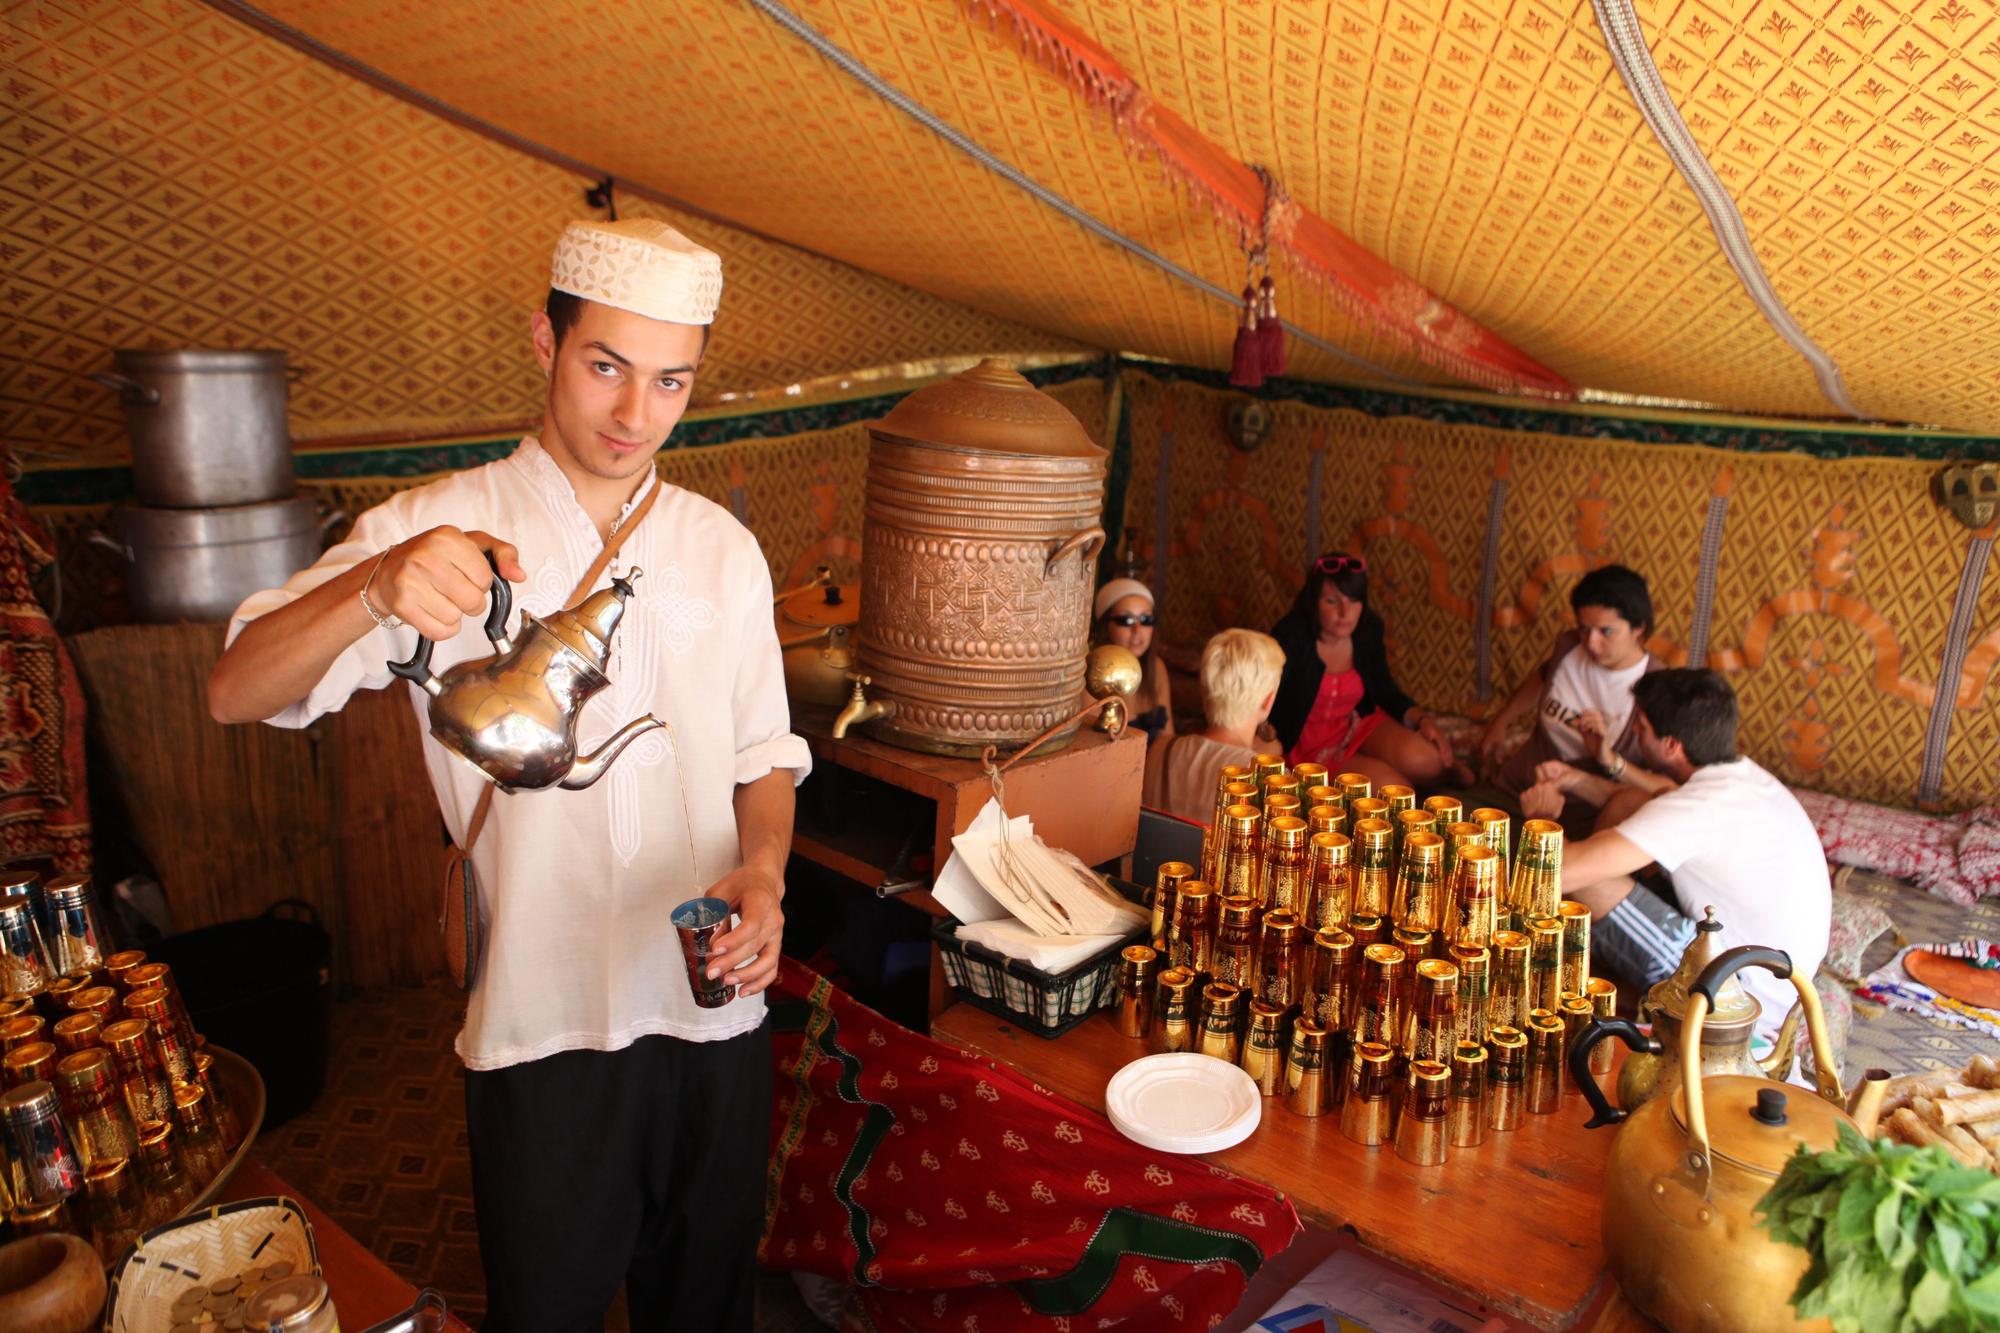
577,886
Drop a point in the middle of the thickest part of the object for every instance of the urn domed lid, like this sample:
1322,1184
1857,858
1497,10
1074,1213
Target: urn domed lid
989,407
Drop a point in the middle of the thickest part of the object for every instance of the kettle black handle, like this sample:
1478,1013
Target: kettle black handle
1603,1112
418,668
1729,963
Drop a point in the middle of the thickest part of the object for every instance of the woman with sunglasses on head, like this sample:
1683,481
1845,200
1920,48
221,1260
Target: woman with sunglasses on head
1337,703
1124,615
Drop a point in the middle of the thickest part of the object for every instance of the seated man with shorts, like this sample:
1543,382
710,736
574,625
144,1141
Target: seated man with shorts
1730,836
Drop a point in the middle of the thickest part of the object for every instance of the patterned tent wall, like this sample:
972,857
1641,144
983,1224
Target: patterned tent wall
1833,583
176,179
1838,699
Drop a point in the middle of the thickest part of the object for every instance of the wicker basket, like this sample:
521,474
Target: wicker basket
203,1248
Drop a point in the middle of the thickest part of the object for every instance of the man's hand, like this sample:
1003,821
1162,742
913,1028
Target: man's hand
1557,774
436,578
757,898
1493,742
1544,800
1590,725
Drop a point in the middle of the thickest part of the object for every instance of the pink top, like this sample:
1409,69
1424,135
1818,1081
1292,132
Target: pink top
1332,732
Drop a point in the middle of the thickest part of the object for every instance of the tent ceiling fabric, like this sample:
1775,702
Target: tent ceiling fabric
1486,148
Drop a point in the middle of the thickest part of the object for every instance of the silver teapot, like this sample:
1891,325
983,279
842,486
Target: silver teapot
513,716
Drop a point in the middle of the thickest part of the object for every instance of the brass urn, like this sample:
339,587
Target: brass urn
979,554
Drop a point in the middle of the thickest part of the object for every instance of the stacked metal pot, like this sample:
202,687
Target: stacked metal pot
217,518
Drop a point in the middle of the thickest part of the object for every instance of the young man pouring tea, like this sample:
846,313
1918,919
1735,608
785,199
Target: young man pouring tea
618,1126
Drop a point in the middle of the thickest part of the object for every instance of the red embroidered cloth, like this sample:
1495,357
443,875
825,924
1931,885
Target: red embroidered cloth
953,1193
44,804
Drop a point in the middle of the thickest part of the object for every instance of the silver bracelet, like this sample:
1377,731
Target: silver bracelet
386,622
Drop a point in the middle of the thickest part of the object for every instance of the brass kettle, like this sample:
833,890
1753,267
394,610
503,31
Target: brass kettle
1725,1035
816,635
1688,1169
513,716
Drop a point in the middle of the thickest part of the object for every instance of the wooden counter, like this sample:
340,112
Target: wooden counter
1513,1223
1083,797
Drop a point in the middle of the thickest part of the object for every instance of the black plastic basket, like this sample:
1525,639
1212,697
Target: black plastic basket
1047,1004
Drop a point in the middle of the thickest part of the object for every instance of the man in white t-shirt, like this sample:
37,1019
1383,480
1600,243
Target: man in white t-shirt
1730,836
1582,695
619,1132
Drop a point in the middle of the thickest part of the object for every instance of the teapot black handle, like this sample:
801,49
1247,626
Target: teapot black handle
1602,1111
503,603
1729,963
418,668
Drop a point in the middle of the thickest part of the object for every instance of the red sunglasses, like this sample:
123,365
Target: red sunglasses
1339,564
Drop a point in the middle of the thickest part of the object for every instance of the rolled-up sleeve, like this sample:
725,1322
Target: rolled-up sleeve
763,715
365,663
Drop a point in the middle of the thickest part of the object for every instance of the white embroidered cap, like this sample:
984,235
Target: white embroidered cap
639,265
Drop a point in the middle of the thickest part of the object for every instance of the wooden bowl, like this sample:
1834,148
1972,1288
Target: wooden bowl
50,1284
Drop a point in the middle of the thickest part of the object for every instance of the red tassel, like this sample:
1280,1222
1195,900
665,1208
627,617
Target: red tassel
1270,329
1246,360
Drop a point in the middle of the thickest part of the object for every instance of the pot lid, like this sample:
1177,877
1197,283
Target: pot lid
816,608
989,407
1734,1007
1758,1123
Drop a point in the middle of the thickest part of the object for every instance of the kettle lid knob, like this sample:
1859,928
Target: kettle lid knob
1770,1109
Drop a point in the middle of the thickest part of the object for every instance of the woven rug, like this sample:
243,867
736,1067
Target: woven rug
1901,1042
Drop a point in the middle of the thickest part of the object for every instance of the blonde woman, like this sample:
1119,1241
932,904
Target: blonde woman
1240,669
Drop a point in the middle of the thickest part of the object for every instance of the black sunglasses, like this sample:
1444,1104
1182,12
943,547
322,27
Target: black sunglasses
1129,619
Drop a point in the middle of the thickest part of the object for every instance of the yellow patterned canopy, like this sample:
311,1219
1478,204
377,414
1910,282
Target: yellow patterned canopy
1486,148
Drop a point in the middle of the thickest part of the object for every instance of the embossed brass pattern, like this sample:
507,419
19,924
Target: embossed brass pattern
979,541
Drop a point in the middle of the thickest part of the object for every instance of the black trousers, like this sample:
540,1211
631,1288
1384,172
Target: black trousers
643,1166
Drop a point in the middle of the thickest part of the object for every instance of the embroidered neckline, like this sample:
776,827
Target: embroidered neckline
534,457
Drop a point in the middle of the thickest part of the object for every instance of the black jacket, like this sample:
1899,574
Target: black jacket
1299,685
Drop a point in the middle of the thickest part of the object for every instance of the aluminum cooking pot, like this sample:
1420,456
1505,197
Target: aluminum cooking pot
207,426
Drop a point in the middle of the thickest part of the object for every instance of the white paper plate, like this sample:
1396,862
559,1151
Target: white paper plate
1183,1103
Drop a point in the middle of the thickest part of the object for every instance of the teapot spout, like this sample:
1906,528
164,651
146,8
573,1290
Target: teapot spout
590,767
1778,1064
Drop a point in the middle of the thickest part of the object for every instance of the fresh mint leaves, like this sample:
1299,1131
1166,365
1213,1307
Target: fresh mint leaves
1901,1239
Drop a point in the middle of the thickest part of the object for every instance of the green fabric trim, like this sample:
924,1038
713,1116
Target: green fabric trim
110,485
1750,435
874,1128
1127,1231
788,1016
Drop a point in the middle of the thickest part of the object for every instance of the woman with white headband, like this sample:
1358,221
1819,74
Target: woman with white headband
1124,615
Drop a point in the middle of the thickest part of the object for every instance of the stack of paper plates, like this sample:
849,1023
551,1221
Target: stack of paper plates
1183,1103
